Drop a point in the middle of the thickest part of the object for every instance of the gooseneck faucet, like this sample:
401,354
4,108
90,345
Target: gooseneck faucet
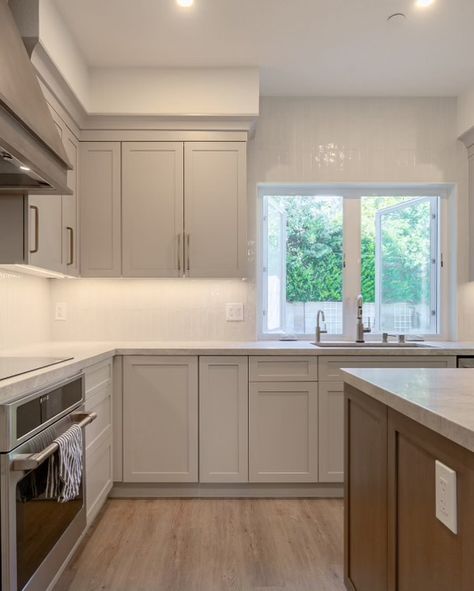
319,331
361,329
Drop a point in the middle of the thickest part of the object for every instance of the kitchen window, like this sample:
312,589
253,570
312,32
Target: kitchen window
319,249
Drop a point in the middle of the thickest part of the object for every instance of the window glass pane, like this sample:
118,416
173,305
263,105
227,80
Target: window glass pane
303,238
399,263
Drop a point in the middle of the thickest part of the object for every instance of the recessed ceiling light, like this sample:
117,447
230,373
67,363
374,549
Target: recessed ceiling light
185,3
423,3
25,168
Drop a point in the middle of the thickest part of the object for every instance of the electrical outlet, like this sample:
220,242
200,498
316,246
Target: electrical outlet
234,312
446,497
61,311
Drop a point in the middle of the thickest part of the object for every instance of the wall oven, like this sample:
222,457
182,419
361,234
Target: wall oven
37,533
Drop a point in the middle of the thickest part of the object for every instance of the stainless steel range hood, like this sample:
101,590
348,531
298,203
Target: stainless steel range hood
32,157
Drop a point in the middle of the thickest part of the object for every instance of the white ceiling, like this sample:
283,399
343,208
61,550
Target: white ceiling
302,47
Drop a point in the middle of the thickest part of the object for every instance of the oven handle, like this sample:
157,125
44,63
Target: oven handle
32,461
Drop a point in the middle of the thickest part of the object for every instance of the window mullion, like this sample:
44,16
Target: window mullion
352,270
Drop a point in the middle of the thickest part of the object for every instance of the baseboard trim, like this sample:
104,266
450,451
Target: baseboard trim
131,490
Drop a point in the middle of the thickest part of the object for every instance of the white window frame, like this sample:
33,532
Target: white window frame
351,194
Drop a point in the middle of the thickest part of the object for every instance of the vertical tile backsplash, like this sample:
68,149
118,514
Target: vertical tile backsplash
24,310
152,309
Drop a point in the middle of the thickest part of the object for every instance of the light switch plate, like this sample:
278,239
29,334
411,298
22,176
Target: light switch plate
61,311
234,312
446,497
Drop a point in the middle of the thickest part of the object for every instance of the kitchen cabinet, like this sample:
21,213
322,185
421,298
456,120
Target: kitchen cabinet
70,226
152,209
69,204
283,438
215,209
160,419
44,240
163,209
40,230
290,368
365,494
331,409
100,208
331,431
98,437
223,419
393,539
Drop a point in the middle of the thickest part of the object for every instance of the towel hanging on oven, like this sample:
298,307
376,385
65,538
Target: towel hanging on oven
65,466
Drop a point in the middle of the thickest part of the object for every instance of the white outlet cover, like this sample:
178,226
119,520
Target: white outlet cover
446,497
234,312
61,311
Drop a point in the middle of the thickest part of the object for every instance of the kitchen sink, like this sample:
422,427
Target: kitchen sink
369,345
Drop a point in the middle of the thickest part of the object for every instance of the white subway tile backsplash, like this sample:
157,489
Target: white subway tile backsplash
24,310
152,309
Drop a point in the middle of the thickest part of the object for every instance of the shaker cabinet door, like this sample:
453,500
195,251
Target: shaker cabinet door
160,419
152,209
100,203
215,209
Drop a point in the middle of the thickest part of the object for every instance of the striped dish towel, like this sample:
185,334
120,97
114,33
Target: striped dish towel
65,467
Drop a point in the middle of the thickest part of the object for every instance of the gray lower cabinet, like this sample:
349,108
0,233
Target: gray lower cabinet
331,397
283,431
331,431
160,419
98,437
223,419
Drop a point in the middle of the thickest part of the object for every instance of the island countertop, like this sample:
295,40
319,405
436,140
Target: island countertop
440,399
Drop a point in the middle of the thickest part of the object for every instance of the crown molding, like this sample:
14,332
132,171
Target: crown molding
60,96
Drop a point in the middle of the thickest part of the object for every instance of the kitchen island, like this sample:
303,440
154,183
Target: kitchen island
403,429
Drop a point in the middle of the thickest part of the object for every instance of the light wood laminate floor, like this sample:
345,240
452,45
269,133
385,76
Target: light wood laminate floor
211,545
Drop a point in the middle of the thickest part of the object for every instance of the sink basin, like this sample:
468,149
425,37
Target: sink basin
369,345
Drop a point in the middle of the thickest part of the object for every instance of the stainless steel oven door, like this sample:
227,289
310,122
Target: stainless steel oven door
37,533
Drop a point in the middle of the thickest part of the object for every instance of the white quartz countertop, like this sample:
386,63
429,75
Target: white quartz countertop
440,399
88,353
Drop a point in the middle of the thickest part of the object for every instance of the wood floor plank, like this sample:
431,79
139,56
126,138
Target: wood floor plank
211,545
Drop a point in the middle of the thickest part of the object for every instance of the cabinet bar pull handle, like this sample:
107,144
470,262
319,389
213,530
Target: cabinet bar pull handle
188,264
179,251
71,245
36,210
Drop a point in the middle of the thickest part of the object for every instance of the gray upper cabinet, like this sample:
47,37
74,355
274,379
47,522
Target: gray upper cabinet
44,240
163,209
41,230
70,251
215,209
100,203
152,209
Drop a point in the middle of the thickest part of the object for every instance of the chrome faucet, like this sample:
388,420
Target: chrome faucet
361,329
319,331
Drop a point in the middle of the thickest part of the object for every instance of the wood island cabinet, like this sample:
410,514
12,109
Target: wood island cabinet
393,540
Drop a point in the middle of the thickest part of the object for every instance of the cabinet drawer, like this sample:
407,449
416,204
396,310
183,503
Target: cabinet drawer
283,369
98,475
97,375
100,403
330,367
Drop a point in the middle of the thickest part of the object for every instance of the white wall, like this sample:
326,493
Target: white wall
152,309
24,310
465,111
174,91
61,48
